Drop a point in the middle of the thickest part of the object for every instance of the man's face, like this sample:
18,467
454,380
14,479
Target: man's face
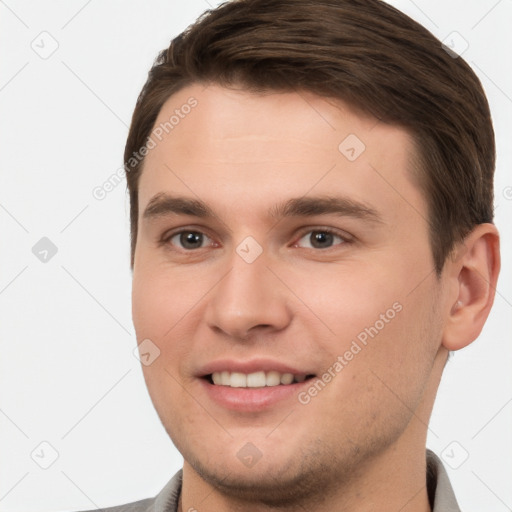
310,255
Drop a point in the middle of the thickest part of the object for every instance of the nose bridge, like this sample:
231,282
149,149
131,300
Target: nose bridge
248,296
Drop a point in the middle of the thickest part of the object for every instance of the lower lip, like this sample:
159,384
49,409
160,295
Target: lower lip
251,399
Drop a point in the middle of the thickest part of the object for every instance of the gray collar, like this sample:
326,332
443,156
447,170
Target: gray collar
440,492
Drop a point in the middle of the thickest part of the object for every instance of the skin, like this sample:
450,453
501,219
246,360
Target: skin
360,442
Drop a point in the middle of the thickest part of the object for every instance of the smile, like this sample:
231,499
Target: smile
257,379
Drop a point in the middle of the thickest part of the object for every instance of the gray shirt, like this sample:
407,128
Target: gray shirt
440,492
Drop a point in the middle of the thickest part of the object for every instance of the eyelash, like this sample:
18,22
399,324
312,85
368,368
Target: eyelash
346,239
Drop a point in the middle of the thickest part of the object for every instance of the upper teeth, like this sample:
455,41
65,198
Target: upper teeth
254,380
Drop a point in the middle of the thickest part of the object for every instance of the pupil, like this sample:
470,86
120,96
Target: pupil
321,239
191,240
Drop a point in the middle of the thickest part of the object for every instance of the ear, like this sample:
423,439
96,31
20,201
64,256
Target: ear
472,275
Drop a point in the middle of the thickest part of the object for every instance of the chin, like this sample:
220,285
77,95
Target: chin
278,479
271,484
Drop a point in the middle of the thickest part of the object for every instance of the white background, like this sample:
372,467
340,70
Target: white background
68,374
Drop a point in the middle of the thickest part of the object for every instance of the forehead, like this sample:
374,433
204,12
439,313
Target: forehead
221,114
235,146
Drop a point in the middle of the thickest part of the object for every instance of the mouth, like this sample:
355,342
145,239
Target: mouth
258,379
252,386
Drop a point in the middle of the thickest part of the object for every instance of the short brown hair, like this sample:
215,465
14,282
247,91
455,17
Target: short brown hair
363,52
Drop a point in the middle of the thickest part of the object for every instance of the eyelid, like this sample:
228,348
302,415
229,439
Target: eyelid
346,237
165,239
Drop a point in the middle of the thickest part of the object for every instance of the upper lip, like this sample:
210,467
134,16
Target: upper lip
250,366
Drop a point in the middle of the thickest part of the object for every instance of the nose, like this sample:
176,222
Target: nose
248,301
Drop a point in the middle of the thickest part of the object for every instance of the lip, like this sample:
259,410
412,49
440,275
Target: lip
251,399
250,366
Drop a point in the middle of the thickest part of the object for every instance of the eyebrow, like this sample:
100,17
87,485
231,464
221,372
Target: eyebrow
163,204
321,205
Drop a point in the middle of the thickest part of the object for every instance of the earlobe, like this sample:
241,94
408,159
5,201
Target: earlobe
473,274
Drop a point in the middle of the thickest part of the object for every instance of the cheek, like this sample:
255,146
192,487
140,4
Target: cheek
374,317
387,348
167,306
349,298
161,299
159,308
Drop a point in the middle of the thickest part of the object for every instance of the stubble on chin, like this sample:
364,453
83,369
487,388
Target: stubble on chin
310,479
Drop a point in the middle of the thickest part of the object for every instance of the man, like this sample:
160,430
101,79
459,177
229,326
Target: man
311,214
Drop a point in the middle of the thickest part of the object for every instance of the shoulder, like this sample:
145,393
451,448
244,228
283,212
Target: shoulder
165,501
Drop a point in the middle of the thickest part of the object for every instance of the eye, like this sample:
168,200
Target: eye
189,239
320,239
